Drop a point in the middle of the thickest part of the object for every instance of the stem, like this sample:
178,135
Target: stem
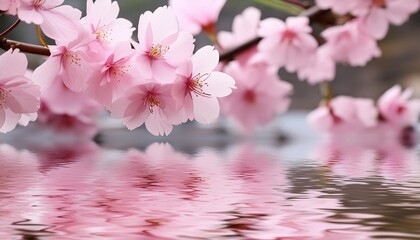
41,40
7,31
7,44
326,92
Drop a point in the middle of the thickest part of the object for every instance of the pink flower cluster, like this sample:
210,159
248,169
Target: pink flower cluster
260,94
159,82
394,110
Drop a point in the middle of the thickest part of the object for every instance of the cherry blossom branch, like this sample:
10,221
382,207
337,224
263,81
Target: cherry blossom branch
7,31
7,44
314,13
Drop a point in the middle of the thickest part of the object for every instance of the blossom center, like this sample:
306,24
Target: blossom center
38,3
118,71
250,96
158,51
104,35
152,100
288,35
195,85
379,3
72,58
3,94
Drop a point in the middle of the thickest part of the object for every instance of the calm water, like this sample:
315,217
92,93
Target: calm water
249,190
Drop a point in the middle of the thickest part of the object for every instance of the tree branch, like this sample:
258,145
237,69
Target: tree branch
7,44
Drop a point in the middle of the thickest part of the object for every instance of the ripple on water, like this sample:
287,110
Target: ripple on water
83,191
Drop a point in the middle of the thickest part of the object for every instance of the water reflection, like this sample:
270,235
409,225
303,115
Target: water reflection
82,191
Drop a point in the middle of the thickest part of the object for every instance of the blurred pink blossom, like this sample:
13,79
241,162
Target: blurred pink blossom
395,107
9,6
244,28
259,96
197,15
18,95
376,14
289,44
350,43
162,47
343,113
199,86
320,67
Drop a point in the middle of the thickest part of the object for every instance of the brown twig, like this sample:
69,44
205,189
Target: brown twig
7,44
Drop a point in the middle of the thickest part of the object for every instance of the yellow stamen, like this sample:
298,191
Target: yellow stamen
152,101
158,51
196,84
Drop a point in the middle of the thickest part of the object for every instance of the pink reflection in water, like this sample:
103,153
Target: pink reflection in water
386,158
81,191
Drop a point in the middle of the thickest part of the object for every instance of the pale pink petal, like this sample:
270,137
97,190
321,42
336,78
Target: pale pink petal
45,74
10,121
30,15
12,63
164,23
219,84
205,60
157,124
61,22
206,110
163,72
181,50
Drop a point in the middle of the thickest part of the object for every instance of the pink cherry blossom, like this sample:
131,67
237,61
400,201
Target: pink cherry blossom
259,96
114,75
66,111
162,48
395,107
150,103
350,44
101,20
287,44
244,28
197,15
199,86
9,6
68,61
61,100
346,113
18,95
320,67
57,22
376,14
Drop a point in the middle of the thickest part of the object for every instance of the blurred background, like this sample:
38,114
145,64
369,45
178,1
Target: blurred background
399,64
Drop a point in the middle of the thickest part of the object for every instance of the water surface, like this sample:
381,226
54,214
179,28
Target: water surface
243,190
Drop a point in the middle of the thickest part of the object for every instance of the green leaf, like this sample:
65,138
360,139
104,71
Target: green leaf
281,5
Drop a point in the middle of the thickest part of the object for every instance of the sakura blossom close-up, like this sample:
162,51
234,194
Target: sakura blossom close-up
209,119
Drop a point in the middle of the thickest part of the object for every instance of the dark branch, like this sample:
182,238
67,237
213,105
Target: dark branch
7,44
